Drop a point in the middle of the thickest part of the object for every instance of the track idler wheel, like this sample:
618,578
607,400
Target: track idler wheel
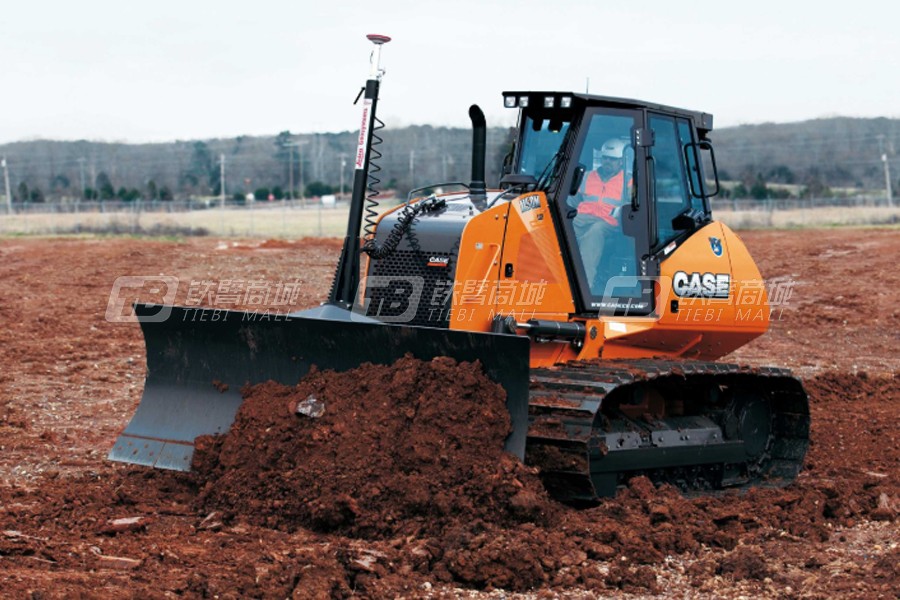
748,418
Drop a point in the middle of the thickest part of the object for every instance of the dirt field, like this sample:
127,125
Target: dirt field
472,525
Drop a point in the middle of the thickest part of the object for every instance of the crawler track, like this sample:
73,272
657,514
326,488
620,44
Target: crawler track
697,425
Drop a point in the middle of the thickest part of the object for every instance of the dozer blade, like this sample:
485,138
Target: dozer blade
198,360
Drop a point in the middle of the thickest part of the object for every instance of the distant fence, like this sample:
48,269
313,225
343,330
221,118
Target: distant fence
805,212
739,204
293,219
277,219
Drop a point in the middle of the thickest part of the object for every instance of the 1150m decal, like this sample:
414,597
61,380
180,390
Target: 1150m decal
529,203
701,285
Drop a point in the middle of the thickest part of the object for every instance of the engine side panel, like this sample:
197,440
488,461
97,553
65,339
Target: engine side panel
711,300
510,264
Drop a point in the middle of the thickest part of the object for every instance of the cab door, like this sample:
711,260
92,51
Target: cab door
671,164
604,216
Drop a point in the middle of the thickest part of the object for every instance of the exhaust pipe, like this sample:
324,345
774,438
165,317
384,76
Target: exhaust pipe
477,189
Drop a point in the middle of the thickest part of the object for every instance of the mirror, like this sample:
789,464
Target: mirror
696,154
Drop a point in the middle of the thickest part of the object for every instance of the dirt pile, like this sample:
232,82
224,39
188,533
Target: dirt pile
839,387
411,456
374,452
855,455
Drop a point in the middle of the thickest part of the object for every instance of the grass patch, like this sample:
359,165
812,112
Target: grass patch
829,217
157,230
268,222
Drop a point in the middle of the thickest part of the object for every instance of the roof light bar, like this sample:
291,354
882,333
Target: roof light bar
512,100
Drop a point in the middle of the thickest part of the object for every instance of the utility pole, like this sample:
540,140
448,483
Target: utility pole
343,156
81,171
412,169
6,181
222,180
299,145
96,194
291,171
887,171
300,160
302,188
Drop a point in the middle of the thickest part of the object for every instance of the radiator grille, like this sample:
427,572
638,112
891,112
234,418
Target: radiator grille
396,280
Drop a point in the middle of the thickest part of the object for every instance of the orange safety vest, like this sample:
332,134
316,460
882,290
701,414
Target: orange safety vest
602,197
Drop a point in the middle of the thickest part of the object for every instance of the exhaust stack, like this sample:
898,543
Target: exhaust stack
477,188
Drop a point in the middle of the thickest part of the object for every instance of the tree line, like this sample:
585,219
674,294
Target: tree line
813,158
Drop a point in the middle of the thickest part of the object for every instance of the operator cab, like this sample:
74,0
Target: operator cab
626,182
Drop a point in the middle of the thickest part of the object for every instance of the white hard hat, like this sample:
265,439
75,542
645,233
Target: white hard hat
614,148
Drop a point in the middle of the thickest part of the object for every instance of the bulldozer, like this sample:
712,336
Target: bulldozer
599,302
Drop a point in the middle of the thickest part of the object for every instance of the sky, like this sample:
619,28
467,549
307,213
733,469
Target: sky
198,69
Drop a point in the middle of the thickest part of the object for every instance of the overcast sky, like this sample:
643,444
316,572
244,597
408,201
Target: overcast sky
117,70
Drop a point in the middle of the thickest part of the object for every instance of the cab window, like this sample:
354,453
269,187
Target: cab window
541,141
670,183
694,169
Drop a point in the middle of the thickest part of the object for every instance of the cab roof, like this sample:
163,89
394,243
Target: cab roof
703,121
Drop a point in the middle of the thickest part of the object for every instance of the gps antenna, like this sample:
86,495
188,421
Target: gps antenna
346,278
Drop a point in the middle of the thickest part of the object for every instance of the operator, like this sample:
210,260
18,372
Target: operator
600,202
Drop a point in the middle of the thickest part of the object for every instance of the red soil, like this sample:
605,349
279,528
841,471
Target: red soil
412,501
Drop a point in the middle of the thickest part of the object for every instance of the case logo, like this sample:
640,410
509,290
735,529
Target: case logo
716,245
439,261
701,285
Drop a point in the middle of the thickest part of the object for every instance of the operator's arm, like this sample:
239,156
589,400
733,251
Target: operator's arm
626,198
577,199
